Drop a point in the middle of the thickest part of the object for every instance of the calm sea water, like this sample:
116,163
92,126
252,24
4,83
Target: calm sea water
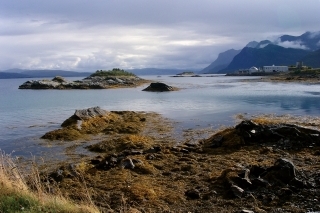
26,115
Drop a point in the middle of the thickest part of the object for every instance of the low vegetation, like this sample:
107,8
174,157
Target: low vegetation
22,191
150,170
112,73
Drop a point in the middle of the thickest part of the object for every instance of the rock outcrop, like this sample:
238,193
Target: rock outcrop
159,87
91,82
251,167
284,136
85,114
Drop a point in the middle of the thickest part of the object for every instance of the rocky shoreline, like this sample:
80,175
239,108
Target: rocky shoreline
91,82
258,165
305,78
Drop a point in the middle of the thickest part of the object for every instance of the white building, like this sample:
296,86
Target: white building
253,70
275,68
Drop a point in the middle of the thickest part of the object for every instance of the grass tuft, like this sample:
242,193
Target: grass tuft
23,191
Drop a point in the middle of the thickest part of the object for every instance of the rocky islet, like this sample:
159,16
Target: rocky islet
91,82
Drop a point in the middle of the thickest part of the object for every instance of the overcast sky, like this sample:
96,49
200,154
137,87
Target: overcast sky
86,35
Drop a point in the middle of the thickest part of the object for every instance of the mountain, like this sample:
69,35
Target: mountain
156,71
221,62
252,44
286,50
269,55
263,44
21,73
7,75
312,59
308,40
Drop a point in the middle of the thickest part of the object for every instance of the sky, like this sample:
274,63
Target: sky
83,35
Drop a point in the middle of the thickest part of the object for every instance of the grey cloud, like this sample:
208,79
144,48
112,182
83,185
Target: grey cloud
98,34
292,44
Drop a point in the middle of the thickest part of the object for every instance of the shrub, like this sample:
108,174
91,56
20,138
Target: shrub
113,72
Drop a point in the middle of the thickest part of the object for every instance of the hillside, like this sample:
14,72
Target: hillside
269,55
7,75
20,73
312,59
221,62
308,40
156,71
285,50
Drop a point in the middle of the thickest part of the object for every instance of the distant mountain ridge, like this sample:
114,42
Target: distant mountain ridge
286,50
308,40
21,73
221,62
156,71
267,56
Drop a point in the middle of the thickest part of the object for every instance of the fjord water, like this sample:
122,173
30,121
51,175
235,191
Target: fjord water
201,102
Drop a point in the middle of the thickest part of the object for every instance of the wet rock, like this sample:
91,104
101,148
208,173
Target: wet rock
158,87
237,191
97,160
136,152
153,150
127,163
284,170
57,175
150,157
91,82
246,211
284,136
59,79
217,141
257,171
244,179
298,183
85,114
193,194
259,182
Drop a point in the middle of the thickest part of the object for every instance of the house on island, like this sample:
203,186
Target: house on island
274,68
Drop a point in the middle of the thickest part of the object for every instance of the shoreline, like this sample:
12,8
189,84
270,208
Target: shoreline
151,172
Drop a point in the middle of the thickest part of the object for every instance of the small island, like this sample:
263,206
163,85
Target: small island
101,79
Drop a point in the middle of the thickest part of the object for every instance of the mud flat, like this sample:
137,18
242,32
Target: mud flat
263,164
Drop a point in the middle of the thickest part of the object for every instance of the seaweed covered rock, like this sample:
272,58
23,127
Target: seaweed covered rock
92,121
158,87
284,136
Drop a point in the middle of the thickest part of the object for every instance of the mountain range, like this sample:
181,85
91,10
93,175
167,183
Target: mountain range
22,73
285,50
222,61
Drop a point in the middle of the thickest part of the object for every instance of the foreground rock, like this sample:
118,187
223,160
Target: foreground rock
246,168
284,136
91,82
88,122
159,87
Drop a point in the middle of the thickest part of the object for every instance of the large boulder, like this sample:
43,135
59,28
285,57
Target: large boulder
283,136
84,114
158,87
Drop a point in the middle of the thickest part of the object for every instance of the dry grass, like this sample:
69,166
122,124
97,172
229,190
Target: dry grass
24,191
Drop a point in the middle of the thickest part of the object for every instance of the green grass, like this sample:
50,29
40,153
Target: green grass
112,73
18,196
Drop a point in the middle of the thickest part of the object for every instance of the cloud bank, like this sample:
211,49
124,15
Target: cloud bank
89,35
